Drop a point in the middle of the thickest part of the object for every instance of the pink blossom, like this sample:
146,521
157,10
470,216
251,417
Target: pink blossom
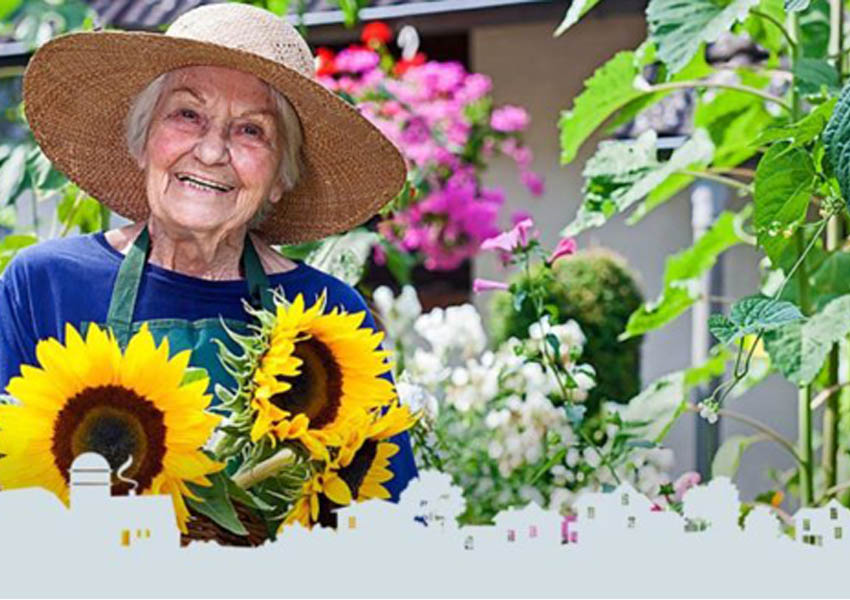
379,255
356,60
506,241
685,482
476,86
533,182
565,247
519,215
509,118
522,228
486,285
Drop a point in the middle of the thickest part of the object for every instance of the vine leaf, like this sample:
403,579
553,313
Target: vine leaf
608,89
836,138
785,179
751,314
681,272
796,5
215,503
802,132
680,27
577,9
728,457
799,350
623,172
812,73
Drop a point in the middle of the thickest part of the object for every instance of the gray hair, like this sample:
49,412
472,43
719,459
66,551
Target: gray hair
141,112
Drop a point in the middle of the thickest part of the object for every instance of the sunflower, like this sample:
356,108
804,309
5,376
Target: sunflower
86,396
358,471
320,371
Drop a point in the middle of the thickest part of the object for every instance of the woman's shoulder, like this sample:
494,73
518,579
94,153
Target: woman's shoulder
311,282
74,255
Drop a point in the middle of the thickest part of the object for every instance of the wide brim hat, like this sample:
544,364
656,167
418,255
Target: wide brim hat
78,89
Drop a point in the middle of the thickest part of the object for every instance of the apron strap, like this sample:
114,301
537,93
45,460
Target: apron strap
122,304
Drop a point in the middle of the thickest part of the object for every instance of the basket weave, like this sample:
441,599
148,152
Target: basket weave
203,529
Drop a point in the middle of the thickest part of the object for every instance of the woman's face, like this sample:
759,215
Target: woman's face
212,151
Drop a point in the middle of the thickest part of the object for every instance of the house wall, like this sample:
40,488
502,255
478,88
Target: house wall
531,68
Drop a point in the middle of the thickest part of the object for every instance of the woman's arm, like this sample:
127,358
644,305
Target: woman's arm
17,338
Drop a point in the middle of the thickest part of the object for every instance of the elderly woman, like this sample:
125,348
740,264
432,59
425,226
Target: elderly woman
216,140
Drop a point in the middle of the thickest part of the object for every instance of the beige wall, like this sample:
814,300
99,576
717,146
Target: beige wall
531,68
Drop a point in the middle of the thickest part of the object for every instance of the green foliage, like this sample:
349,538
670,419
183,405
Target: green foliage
577,9
609,89
682,271
623,172
796,5
784,182
728,457
596,289
836,140
753,314
680,27
799,349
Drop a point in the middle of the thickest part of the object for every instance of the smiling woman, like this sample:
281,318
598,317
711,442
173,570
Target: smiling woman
216,141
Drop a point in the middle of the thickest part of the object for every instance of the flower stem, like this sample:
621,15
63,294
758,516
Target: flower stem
686,85
728,181
771,19
268,468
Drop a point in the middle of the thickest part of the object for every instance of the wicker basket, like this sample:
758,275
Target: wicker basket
203,529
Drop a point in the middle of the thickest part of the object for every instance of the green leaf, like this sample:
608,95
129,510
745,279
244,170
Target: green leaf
714,366
680,27
623,172
194,374
12,174
836,139
577,9
812,73
216,503
831,279
661,194
802,132
785,179
751,314
608,89
814,30
278,7
796,5
731,118
763,32
11,244
728,457
658,406
800,349
7,7
682,270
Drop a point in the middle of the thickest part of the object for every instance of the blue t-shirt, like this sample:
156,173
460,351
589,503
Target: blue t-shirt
71,279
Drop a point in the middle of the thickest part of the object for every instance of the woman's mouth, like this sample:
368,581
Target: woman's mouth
203,184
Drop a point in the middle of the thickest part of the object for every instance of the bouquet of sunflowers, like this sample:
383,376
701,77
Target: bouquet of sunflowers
308,429
312,414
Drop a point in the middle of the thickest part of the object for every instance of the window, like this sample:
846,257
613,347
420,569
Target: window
624,500
838,533
468,543
631,522
125,537
532,531
833,513
511,535
807,525
591,512
147,533
352,522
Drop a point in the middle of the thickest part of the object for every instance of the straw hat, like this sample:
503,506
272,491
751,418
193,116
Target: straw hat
78,89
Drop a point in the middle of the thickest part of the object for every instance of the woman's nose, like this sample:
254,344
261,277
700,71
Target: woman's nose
212,147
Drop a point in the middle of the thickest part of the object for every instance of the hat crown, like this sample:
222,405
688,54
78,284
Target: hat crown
247,28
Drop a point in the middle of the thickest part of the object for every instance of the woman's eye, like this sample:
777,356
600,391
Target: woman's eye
187,113
252,130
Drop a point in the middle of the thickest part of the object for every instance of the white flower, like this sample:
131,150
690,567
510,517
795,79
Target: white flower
560,499
708,411
383,299
572,457
592,457
460,376
538,330
495,450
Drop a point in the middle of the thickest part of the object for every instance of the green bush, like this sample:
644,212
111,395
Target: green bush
596,289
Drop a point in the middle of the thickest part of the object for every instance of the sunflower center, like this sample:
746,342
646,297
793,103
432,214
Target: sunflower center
356,471
317,391
116,423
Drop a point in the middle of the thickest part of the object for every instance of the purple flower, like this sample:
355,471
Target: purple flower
506,241
486,285
356,60
509,118
565,247
476,86
519,215
533,182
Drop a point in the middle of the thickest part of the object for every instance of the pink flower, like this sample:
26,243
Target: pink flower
565,247
356,59
533,182
379,255
508,241
519,215
509,118
685,482
485,285
522,228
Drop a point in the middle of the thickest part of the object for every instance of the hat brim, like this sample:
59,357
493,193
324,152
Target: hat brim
78,88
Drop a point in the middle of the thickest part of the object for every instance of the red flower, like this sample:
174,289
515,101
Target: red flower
403,65
376,33
325,58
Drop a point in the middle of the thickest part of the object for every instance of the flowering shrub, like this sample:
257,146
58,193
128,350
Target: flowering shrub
442,119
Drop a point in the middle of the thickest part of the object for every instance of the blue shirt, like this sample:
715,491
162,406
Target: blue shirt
71,280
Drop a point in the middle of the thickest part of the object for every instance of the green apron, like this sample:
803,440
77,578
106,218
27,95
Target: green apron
183,334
